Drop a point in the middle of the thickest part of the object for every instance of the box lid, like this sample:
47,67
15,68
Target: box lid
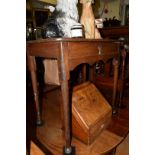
88,104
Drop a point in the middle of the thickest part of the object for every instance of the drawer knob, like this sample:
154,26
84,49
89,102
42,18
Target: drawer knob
100,50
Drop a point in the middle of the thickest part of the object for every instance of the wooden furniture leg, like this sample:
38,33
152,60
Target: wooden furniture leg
123,54
68,149
84,73
91,73
115,65
32,67
66,110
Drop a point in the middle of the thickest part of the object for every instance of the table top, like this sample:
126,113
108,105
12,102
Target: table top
70,40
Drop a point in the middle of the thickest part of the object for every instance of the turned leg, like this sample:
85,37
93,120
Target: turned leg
68,149
91,73
115,65
82,74
64,76
123,54
32,67
84,69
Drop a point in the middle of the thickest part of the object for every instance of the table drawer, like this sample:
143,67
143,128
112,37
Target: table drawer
87,49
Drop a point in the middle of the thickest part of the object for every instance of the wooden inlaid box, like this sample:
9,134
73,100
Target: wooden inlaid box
91,113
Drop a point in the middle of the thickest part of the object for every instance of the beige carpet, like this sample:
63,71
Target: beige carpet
123,148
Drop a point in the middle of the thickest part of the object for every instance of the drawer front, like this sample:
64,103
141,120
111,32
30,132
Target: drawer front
87,49
43,49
